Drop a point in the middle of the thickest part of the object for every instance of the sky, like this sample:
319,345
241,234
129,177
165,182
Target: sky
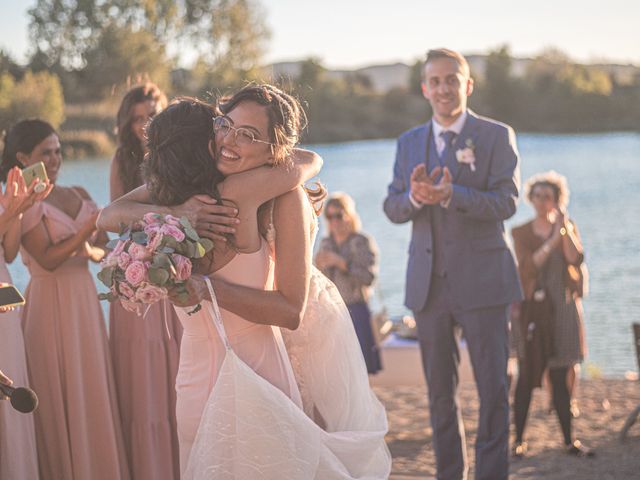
356,33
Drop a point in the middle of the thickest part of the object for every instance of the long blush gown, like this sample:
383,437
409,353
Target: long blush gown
145,351
18,454
77,422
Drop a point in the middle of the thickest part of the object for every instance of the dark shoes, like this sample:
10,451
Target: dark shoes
519,449
576,449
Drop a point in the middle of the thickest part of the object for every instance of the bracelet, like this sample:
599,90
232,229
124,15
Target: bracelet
196,309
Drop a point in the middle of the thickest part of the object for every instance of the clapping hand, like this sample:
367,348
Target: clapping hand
329,259
17,198
424,188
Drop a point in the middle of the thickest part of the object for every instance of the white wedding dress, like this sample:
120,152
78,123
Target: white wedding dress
251,430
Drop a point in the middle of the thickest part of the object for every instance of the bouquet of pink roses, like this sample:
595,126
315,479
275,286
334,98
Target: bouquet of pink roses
150,258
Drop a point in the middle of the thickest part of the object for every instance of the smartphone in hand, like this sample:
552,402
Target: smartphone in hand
37,170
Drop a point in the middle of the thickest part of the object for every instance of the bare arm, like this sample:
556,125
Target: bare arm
116,188
11,240
247,189
285,306
38,243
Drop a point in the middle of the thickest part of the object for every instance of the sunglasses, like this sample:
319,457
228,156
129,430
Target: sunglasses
334,216
542,196
243,136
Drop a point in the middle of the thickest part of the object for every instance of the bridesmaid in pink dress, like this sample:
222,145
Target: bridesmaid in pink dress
78,428
18,454
144,350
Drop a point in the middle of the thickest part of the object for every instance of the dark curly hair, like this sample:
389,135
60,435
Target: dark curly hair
179,164
130,152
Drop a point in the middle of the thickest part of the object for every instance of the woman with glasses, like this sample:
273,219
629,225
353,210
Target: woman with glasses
247,427
144,349
550,263
348,257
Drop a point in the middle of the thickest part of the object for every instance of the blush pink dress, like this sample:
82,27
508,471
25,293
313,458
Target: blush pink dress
18,455
202,351
78,429
145,351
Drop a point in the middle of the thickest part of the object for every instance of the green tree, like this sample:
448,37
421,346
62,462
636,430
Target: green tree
35,95
500,92
125,56
65,31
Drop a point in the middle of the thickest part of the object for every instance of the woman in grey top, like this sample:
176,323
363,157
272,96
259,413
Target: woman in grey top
348,257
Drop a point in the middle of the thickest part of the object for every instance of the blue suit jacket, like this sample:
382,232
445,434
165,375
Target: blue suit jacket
480,267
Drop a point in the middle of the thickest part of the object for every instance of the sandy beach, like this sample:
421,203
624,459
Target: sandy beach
604,405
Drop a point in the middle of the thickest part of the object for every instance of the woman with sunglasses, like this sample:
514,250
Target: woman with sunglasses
550,260
348,257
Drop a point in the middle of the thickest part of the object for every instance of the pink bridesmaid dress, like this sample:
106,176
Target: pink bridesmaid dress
18,454
202,351
78,428
145,351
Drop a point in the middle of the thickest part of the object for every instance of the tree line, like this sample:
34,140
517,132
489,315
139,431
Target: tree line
84,55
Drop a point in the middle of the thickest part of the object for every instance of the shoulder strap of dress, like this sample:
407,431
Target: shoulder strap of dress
216,315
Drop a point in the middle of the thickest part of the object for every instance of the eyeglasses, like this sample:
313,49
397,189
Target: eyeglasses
244,136
335,216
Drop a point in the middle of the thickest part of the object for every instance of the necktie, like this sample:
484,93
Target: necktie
448,137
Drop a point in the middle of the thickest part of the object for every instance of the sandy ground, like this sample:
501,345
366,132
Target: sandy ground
604,406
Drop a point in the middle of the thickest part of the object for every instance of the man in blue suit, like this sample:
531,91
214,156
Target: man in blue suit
456,178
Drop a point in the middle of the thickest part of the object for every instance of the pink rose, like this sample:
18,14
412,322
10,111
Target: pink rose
172,231
171,220
151,218
126,290
135,273
154,242
152,229
148,293
183,267
124,259
139,252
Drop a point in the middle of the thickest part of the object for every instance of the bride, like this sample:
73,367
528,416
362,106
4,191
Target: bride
249,421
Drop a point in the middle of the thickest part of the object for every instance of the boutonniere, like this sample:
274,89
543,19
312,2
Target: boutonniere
465,155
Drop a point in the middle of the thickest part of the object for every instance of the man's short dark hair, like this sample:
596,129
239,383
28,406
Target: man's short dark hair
436,53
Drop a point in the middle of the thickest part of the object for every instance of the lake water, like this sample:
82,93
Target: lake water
604,176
